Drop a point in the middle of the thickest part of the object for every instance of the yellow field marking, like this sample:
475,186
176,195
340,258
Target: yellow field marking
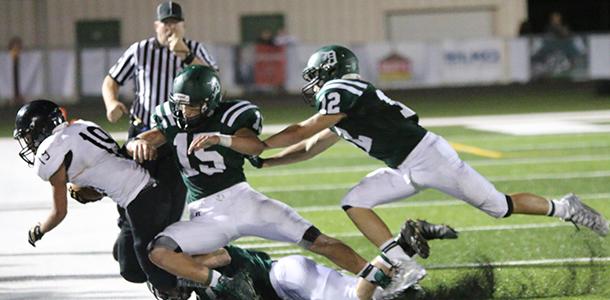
475,150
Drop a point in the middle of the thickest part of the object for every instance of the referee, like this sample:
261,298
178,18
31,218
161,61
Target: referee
152,64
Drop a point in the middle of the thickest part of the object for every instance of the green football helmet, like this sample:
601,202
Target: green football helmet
195,87
327,63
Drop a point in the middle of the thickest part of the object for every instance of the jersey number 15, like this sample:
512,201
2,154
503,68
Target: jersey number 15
209,162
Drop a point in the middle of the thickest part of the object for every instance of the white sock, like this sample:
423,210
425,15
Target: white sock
393,251
557,209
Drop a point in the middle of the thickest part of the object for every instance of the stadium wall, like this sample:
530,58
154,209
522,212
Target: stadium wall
51,23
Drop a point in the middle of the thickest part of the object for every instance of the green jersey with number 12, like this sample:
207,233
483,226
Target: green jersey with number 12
216,168
385,129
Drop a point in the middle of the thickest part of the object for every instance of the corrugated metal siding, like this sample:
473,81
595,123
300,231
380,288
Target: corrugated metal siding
342,21
17,21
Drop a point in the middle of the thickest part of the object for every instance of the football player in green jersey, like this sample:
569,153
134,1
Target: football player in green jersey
298,277
210,139
416,159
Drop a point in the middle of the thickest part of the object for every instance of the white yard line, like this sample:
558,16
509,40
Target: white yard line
474,140
552,146
592,116
251,244
538,160
477,163
424,203
499,264
525,263
337,186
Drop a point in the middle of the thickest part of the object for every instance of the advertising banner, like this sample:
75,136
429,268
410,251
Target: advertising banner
397,65
599,56
472,61
269,66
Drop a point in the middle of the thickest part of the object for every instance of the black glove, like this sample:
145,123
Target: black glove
35,234
256,161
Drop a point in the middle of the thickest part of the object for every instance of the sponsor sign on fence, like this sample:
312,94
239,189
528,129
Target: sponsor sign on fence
387,65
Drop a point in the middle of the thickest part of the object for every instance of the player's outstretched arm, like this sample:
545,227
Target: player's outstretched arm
59,210
296,133
244,141
144,146
304,150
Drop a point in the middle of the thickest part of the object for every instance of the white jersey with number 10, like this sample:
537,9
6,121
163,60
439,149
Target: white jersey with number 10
92,160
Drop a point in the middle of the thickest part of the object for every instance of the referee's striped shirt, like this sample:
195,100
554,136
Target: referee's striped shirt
153,69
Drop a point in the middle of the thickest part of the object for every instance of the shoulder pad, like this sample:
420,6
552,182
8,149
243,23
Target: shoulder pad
339,95
163,118
350,86
241,114
49,156
234,110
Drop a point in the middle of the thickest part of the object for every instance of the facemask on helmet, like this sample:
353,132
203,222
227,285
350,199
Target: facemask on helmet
328,63
35,122
195,95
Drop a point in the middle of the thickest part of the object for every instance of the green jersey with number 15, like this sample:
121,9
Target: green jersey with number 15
216,168
385,129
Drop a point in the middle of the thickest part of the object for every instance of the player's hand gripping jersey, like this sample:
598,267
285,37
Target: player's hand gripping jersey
214,169
386,129
90,155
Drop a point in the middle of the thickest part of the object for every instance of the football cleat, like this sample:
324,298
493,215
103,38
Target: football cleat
412,241
407,273
436,231
581,214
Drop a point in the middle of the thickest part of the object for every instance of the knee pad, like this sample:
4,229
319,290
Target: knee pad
165,242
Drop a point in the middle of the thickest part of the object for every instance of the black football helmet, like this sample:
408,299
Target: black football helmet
35,122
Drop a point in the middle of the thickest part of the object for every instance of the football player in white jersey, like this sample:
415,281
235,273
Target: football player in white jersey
83,154
352,109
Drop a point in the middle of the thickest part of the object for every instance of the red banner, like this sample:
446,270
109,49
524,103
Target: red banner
270,66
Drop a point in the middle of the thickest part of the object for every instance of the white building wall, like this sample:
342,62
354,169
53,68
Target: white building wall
215,21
